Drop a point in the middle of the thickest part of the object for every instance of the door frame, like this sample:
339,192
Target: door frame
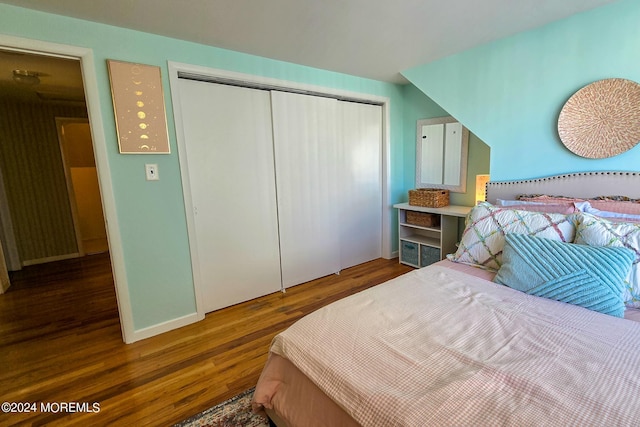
11,256
71,194
4,274
92,98
243,80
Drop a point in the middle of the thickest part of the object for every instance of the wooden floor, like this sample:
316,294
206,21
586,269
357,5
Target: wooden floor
60,341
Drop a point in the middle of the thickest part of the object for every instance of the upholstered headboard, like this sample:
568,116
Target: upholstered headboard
580,185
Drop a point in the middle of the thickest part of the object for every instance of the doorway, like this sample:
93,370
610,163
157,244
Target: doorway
83,57
38,221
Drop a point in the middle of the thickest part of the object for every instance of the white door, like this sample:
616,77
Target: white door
229,146
306,149
360,183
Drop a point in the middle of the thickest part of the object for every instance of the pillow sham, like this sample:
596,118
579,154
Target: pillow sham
632,208
595,231
486,225
589,276
586,207
563,208
618,204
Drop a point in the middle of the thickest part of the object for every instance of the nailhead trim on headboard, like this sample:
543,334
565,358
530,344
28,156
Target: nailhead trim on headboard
578,184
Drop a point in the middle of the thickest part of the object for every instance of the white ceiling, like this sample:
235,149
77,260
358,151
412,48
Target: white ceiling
368,38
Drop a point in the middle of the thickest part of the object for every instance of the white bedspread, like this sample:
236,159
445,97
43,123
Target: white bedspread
438,347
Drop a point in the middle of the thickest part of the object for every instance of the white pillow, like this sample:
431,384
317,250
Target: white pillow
595,231
486,225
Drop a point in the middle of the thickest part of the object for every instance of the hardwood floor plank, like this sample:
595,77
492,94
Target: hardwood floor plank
61,342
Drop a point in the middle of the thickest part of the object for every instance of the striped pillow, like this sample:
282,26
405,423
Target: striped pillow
589,276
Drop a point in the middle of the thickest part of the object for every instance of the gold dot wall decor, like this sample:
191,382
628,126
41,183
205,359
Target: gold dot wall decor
602,119
138,105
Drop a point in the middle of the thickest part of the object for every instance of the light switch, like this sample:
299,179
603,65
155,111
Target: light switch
151,171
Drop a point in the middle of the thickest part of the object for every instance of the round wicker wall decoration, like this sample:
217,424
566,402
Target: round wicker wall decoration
602,119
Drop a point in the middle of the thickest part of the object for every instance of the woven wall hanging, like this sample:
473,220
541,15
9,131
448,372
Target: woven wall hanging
602,119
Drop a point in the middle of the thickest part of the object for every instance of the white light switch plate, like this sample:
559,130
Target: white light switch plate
151,170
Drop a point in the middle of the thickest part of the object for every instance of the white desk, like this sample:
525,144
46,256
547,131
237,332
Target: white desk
420,246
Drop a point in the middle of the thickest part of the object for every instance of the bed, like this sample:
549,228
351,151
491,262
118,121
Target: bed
535,320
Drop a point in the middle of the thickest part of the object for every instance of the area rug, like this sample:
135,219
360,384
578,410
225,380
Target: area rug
235,412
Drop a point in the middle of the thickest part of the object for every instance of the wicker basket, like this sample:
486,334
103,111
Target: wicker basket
423,219
429,197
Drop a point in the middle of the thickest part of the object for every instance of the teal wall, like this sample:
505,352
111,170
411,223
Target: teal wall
151,215
418,106
510,92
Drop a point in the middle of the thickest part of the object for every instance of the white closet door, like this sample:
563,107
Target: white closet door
360,183
228,139
306,149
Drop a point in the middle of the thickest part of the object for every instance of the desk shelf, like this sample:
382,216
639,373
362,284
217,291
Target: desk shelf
421,246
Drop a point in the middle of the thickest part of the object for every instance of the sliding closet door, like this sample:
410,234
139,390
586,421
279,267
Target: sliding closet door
360,183
306,149
228,139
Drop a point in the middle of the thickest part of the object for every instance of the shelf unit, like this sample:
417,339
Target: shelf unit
420,246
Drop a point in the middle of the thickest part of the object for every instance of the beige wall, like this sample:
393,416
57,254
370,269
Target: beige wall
80,161
34,179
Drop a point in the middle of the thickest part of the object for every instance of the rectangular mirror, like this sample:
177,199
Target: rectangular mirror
441,154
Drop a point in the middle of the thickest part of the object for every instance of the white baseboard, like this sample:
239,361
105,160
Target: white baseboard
148,332
28,262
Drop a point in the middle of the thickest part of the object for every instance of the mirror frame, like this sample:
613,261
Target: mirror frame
464,149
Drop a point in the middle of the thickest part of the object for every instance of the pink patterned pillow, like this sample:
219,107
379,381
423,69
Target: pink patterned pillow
549,199
632,208
561,208
609,204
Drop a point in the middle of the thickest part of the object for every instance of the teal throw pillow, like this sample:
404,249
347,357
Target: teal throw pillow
589,276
